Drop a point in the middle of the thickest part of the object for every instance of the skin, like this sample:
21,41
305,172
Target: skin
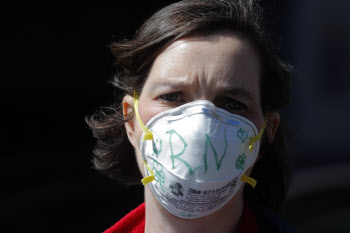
223,68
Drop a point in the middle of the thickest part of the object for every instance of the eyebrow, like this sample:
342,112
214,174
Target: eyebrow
228,90
166,84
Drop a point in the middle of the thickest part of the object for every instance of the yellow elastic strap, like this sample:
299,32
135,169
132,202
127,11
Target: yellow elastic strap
256,138
148,134
150,178
248,180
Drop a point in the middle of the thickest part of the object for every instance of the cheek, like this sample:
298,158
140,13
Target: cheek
257,118
147,110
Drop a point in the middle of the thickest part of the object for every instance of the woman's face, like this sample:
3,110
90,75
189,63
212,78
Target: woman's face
222,68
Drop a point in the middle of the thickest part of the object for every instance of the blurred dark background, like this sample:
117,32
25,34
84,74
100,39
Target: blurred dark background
55,70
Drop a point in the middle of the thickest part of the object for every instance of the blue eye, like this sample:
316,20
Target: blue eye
171,97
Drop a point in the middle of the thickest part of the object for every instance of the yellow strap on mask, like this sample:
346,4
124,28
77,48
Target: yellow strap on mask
150,178
253,140
256,138
148,134
248,180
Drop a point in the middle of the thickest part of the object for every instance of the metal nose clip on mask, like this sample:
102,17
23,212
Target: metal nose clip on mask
196,155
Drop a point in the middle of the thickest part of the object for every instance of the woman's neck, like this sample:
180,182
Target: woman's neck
226,219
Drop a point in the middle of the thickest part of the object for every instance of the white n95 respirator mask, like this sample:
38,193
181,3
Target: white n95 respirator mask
196,155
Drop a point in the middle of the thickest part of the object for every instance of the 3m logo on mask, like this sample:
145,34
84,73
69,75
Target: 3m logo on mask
176,189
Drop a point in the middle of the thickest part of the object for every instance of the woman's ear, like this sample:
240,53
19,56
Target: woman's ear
128,110
272,126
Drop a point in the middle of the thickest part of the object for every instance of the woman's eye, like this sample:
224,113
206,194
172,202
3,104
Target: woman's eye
233,105
171,97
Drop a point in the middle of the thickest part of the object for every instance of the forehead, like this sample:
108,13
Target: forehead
220,59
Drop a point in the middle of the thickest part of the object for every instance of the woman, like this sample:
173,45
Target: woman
200,89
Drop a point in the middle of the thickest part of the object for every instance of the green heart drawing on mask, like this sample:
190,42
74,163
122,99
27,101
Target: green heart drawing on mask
242,134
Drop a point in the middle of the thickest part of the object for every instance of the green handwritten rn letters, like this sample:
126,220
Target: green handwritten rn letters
176,157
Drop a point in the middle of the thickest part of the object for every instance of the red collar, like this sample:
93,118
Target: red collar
134,222
248,222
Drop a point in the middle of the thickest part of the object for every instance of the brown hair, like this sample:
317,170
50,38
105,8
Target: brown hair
114,155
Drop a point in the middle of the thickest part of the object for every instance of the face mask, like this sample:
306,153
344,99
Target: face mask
195,156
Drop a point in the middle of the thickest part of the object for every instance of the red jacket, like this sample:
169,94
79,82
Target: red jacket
134,222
